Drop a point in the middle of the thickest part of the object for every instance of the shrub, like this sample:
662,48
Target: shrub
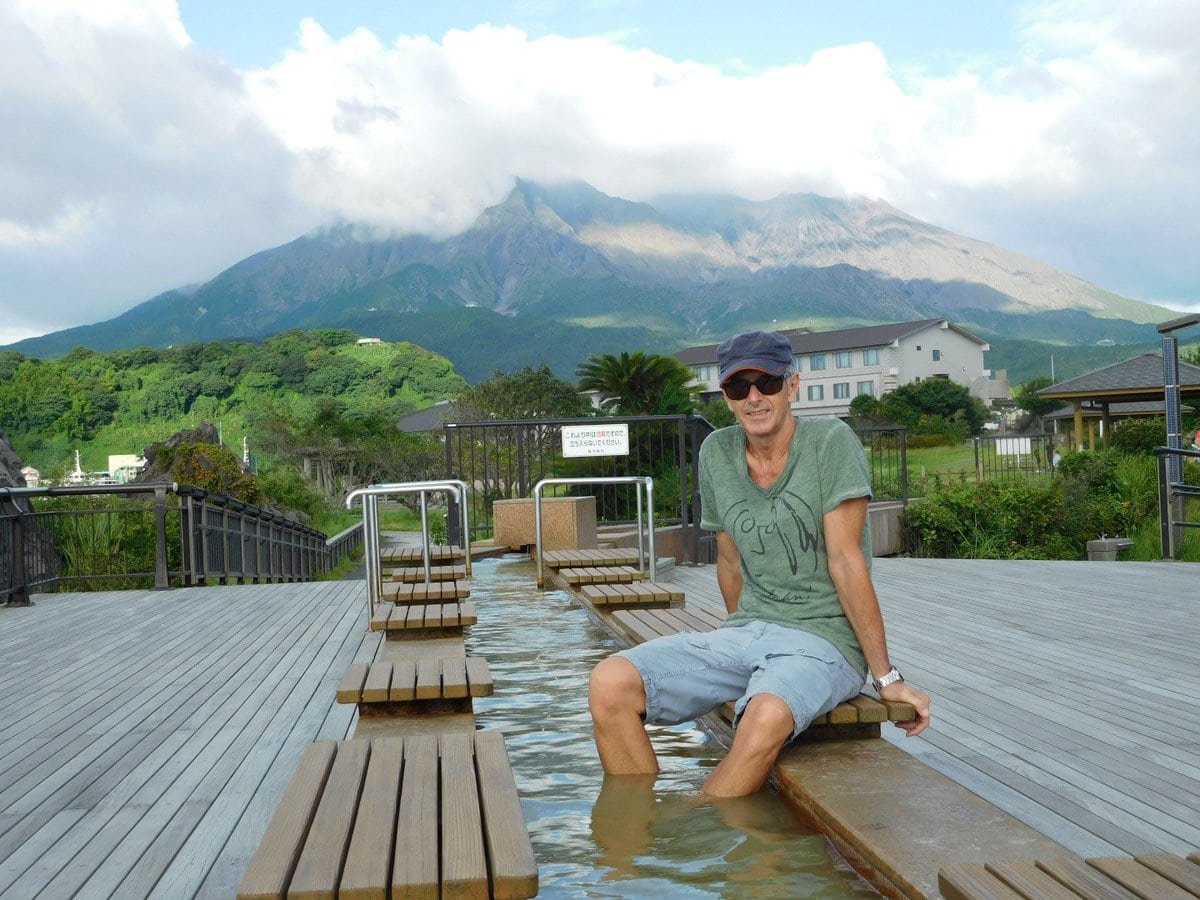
1139,436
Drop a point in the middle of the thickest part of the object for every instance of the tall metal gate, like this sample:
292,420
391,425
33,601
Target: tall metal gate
999,457
503,460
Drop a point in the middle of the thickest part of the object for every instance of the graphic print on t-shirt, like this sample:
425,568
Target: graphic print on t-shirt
791,525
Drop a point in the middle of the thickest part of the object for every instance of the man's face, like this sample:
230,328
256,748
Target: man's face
763,415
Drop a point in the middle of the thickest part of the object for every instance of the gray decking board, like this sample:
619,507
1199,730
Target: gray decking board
1064,692
145,729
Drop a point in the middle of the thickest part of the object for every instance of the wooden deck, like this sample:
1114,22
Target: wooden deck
147,737
1064,693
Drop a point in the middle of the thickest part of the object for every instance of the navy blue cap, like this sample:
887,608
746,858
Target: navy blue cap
765,351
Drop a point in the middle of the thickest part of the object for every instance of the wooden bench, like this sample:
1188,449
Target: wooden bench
1159,877
642,594
437,683
424,620
570,559
410,574
437,592
421,816
859,717
601,575
412,556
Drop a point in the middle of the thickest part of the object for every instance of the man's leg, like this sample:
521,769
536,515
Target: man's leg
617,699
765,726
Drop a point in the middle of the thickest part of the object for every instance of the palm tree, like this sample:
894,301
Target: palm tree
638,384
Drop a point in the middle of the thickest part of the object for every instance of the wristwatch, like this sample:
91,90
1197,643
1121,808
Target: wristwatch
891,676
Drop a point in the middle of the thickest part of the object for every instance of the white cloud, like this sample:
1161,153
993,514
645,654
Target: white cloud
142,163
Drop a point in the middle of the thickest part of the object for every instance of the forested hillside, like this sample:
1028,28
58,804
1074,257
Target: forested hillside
122,401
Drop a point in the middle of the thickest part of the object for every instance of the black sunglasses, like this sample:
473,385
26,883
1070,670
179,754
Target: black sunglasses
739,388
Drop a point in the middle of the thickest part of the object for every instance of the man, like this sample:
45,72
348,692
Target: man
788,500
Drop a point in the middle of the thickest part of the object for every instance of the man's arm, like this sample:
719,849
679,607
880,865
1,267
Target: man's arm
848,568
729,571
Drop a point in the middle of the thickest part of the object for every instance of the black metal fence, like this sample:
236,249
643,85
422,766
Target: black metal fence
1002,457
152,535
503,460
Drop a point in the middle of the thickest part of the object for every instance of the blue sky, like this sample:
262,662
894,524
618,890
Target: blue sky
938,35
149,144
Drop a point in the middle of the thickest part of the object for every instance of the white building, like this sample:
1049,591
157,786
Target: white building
32,476
124,467
837,366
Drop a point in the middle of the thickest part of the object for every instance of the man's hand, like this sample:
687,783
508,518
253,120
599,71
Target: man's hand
903,692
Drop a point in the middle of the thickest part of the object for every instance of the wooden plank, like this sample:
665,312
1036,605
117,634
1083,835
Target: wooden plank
415,861
1144,882
479,677
320,865
350,690
967,881
900,712
416,575
454,677
843,714
450,615
1083,879
468,613
869,709
1183,872
429,679
510,854
271,868
368,862
404,680
379,618
464,864
1029,881
378,683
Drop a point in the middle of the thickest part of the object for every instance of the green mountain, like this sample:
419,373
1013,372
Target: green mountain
556,272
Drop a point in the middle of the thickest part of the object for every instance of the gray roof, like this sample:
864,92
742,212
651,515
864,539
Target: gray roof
429,418
805,341
1116,410
1139,375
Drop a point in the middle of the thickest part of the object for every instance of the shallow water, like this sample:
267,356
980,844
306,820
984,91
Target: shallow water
623,837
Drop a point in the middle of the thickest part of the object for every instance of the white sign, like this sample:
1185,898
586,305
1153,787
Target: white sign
1017,446
595,440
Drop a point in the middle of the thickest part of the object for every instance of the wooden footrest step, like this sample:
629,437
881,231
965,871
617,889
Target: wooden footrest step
1069,878
409,556
412,574
438,592
420,617
641,593
420,816
447,678
571,559
601,575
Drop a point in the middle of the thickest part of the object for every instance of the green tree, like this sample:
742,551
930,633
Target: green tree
1026,397
935,405
526,394
716,412
638,384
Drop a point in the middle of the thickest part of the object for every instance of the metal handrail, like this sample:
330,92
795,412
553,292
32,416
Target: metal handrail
1171,495
644,481
370,499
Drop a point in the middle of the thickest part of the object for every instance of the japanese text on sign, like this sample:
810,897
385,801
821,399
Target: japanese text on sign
595,440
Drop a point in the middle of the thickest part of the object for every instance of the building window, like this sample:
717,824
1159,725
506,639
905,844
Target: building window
871,357
702,372
796,367
866,387
843,359
816,392
816,362
937,355
841,390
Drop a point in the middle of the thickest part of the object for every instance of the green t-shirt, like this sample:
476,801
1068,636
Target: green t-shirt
779,530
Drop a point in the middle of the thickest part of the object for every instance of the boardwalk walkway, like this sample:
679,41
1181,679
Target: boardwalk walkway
146,737
1064,692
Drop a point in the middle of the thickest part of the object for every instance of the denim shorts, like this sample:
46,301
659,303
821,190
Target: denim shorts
687,675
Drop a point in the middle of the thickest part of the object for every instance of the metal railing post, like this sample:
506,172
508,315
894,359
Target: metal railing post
162,576
20,594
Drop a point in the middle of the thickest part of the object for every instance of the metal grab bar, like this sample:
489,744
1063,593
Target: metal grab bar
643,481
370,499
1173,492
